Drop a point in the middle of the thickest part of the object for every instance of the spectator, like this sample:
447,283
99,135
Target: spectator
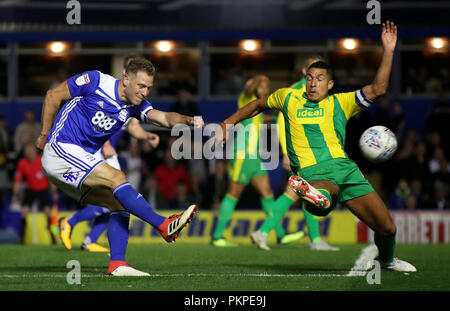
418,165
416,192
152,193
134,165
26,132
398,198
182,197
184,105
438,156
37,187
433,141
441,201
443,172
411,203
398,122
169,174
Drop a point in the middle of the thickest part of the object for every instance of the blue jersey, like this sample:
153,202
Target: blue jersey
114,140
94,113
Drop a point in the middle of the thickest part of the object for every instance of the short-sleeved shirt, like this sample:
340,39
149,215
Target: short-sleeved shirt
247,139
301,86
32,173
315,132
94,113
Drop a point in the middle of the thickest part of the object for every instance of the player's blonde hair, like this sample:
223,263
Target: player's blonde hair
140,64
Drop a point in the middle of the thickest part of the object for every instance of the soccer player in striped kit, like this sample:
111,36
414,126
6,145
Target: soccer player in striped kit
315,136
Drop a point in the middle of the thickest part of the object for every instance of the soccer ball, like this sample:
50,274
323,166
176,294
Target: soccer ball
378,144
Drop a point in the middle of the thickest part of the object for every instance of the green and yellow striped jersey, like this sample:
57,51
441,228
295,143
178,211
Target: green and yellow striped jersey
299,85
315,132
247,139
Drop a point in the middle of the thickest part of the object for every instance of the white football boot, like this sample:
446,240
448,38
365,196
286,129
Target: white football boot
398,265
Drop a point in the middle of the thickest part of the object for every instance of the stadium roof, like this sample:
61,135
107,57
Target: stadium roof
216,15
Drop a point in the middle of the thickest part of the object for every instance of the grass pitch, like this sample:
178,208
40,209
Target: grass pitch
187,267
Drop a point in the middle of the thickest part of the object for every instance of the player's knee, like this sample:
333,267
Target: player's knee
117,178
388,229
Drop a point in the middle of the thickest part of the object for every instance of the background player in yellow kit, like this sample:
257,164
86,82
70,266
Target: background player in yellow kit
247,167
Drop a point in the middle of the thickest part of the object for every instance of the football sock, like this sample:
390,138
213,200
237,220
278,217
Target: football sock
268,204
386,247
312,222
118,233
99,225
133,202
327,194
281,206
87,213
226,210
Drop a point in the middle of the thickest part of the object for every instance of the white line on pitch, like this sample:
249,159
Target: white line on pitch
263,275
360,267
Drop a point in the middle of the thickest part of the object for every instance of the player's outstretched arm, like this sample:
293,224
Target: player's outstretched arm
380,84
252,109
52,102
135,129
170,119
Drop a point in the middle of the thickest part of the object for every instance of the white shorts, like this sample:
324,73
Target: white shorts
113,161
67,166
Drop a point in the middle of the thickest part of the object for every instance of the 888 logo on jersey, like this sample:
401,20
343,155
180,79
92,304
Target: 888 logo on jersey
102,121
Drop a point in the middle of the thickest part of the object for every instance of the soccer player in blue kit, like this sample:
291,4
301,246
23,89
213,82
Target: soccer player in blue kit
100,215
97,106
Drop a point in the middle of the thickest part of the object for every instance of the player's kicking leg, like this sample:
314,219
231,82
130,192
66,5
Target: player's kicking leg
132,201
97,183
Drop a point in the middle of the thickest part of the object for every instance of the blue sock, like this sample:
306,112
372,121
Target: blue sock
133,202
99,225
118,233
87,213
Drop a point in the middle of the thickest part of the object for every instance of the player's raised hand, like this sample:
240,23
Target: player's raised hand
153,139
389,36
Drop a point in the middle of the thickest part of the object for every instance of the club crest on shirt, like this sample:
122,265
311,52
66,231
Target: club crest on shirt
81,80
123,115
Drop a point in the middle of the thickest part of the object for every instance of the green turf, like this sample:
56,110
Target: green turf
186,267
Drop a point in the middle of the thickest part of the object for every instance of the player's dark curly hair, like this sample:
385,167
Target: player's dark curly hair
140,64
322,65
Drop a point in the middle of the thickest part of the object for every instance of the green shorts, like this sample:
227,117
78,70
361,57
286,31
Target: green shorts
344,173
243,170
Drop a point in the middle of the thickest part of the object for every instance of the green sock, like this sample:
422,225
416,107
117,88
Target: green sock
312,222
386,247
327,194
280,207
268,204
226,210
